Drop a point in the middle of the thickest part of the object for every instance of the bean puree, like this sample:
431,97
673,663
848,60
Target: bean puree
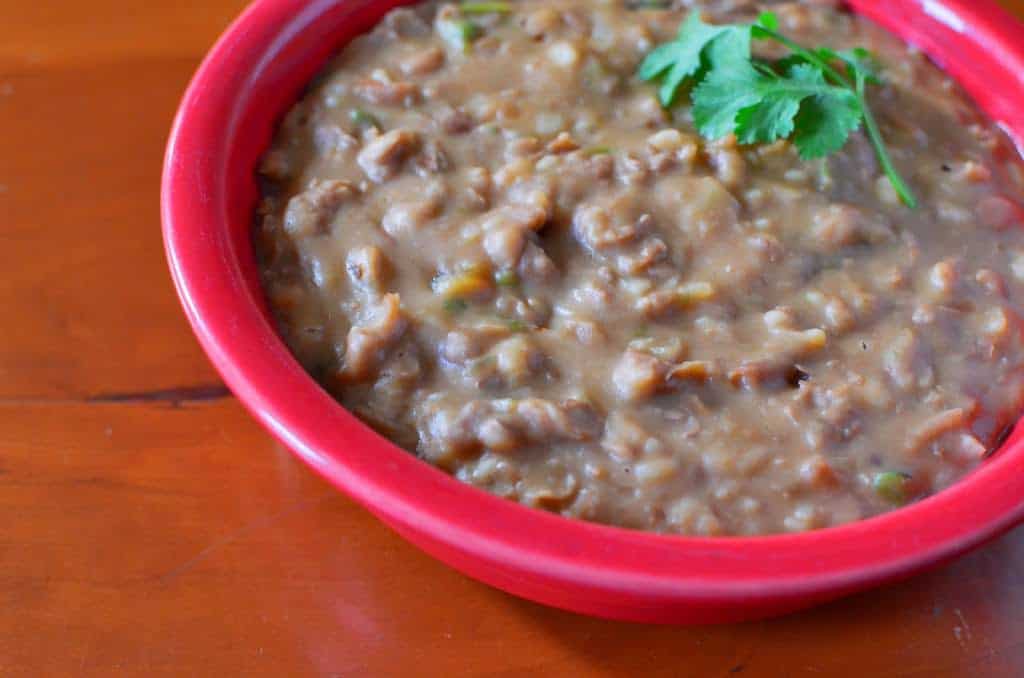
484,235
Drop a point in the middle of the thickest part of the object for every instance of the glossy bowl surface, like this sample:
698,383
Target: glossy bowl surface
251,77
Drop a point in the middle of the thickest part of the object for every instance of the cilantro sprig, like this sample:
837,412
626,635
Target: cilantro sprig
816,97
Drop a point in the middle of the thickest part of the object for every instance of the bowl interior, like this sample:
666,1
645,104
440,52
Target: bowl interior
254,74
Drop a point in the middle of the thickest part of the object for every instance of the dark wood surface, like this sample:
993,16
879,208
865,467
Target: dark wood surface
149,527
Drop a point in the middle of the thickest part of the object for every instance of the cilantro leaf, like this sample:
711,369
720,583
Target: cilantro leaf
761,106
767,23
860,60
825,123
769,20
856,60
825,54
772,118
728,89
815,96
680,59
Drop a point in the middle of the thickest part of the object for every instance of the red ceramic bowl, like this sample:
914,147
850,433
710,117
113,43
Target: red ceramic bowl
253,75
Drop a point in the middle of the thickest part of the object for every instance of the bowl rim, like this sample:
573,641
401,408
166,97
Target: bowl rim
231,324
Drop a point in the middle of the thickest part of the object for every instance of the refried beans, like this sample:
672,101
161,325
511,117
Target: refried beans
482,233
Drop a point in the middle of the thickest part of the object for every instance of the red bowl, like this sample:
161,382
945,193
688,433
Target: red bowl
251,77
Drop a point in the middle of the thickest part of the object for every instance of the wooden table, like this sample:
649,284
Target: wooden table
149,527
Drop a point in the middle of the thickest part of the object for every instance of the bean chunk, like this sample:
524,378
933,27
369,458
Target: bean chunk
382,158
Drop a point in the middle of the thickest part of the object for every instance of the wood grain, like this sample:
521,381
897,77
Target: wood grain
149,527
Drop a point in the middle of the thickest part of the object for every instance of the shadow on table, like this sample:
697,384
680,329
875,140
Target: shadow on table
964,619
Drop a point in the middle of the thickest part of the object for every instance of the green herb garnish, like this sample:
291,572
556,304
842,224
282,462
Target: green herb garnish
485,8
892,486
361,118
648,4
455,305
676,61
816,97
517,326
506,278
599,150
459,33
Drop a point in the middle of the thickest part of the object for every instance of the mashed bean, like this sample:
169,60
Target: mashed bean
486,238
